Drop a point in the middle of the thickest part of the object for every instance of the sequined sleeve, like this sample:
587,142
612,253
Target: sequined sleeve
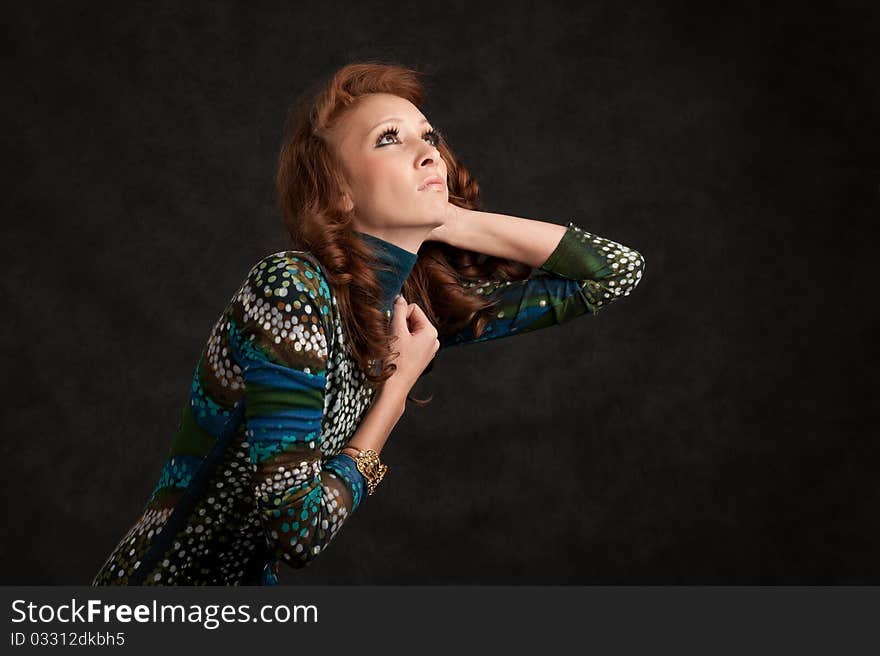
582,275
304,498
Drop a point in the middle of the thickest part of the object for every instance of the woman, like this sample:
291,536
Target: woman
308,369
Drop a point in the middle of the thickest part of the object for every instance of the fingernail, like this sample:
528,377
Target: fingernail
397,298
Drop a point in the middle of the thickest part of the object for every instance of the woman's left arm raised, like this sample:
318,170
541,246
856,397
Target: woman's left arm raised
582,272
500,235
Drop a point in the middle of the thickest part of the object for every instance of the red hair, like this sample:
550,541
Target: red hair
309,187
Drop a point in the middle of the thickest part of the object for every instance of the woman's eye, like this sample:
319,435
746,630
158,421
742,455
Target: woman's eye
387,133
433,135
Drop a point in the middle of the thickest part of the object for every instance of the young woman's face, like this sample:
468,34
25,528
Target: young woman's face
385,170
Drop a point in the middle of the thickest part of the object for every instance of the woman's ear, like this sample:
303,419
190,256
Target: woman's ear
346,203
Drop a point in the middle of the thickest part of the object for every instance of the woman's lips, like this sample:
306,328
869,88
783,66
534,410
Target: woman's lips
432,181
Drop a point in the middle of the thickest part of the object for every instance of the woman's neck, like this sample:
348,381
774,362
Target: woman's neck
395,264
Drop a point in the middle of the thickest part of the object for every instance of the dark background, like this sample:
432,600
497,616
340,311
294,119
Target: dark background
713,427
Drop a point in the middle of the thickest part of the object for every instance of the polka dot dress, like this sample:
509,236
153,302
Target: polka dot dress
254,476
277,378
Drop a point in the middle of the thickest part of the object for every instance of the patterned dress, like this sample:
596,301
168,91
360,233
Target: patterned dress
254,476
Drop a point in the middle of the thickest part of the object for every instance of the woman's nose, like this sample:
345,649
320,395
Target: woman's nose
429,156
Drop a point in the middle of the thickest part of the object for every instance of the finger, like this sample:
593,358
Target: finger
419,320
399,315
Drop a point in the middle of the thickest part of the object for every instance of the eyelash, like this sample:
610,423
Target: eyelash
435,133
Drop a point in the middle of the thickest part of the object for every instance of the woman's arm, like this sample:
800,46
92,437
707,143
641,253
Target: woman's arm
280,334
580,273
376,426
500,235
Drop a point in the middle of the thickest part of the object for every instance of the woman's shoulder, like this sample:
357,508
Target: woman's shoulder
291,265
285,275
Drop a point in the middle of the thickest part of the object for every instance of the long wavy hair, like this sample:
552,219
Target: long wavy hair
309,188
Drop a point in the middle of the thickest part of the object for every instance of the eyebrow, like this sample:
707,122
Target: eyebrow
395,118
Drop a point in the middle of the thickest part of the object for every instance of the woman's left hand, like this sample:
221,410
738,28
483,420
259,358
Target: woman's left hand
447,230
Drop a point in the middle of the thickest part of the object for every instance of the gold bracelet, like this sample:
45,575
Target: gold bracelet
370,467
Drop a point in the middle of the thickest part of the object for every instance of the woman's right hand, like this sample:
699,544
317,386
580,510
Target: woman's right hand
416,342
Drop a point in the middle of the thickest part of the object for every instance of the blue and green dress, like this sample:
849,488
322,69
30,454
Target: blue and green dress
254,476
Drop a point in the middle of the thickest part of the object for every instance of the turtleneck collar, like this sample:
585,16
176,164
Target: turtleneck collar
398,260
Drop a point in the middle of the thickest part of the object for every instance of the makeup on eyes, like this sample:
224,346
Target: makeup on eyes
434,133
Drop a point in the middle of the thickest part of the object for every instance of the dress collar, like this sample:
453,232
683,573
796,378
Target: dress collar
398,262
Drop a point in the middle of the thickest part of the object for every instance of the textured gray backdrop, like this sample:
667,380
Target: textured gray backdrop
713,427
